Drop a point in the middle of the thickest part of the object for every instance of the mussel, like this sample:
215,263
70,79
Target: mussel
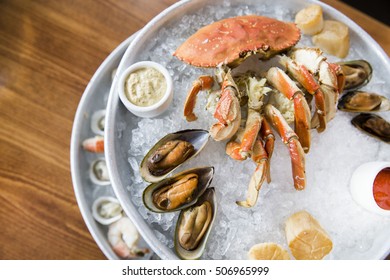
194,225
360,101
373,125
357,73
170,152
178,192
98,172
106,210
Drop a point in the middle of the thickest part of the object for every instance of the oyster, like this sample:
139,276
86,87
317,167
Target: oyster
170,152
98,172
178,192
360,101
357,73
373,125
98,122
194,225
106,210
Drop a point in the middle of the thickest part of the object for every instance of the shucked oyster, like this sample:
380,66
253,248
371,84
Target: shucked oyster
360,101
179,191
373,125
170,152
194,225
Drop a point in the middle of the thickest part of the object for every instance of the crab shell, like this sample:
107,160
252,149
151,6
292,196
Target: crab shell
232,40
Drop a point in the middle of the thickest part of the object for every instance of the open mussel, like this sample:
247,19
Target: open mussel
373,125
357,73
364,102
194,225
170,152
178,192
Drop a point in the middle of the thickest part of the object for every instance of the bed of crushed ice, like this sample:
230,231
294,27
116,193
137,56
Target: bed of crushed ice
333,157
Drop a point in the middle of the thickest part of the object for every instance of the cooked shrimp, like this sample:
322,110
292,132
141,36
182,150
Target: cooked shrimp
123,237
94,145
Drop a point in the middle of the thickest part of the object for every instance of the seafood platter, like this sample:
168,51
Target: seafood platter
99,207
252,155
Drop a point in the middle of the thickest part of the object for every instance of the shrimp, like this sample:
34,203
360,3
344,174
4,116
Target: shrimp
123,237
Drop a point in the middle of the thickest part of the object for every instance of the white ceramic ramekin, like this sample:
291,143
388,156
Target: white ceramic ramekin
150,111
362,183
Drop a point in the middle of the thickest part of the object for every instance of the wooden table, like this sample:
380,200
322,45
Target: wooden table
49,50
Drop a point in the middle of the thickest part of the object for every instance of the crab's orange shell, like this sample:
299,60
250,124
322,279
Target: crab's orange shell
231,40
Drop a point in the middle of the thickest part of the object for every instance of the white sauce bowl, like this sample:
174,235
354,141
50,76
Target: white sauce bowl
362,183
150,111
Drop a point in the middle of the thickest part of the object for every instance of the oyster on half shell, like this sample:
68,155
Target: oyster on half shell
178,192
170,152
194,226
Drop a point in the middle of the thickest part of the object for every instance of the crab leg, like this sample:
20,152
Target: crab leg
233,147
269,139
330,76
291,140
202,83
261,158
285,85
306,79
227,112
252,129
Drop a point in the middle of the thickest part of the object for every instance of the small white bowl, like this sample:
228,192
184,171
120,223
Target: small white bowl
362,183
150,111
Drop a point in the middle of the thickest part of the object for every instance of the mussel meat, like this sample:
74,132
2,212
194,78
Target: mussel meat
373,125
357,73
360,101
169,155
178,192
172,196
98,172
194,225
170,152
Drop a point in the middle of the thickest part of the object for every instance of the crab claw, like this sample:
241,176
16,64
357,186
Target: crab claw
227,112
291,140
233,147
261,158
285,85
202,83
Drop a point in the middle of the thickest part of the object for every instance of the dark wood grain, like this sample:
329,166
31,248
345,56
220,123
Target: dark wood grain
49,50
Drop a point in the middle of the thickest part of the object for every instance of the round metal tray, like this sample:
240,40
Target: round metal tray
117,147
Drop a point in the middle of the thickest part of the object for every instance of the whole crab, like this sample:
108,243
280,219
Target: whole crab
229,42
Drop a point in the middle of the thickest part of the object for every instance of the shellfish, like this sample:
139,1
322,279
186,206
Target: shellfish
170,152
194,225
361,101
98,172
373,125
178,192
106,210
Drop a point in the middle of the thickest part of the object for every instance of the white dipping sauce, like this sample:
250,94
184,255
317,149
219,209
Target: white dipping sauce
145,86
